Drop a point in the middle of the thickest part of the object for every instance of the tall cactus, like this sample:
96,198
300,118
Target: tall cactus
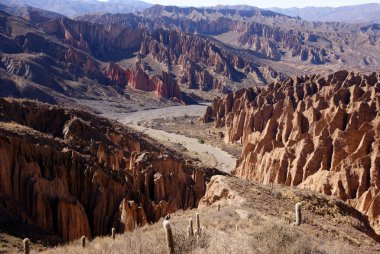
298,213
169,236
218,207
113,233
190,230
199,230
83,241
26,244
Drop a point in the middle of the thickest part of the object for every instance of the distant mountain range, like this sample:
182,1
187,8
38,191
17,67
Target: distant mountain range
164,49
348,14
73,8
365,13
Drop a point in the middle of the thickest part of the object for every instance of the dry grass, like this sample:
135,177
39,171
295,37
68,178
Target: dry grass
262,223
220,235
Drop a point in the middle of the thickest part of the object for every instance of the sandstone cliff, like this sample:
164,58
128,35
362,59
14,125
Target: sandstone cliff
164,85
73,174
104,43
195,55
320,133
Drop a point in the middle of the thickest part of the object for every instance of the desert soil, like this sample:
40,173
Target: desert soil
178,127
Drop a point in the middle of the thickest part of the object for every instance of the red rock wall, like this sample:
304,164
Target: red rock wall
164,85
311,132
73,174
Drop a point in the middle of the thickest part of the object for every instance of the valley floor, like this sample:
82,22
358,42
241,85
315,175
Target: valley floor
178,127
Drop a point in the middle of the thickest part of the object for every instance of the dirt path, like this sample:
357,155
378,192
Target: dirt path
209,155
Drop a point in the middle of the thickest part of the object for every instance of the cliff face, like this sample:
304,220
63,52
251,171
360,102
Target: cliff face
73,174
200,59
42,59
311,132
104,43
164,85
38,57
269,42
204,63
268,34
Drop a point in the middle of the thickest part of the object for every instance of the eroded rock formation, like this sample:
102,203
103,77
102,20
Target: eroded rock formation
320,133
73,174
164,85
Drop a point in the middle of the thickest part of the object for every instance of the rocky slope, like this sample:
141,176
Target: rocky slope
252,219
64,60
72,174
349,14
164,85
208,49
244,45
320,133
79,7
252,29
196,61
32,14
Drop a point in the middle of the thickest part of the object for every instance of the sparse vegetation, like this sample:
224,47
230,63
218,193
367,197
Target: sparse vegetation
83,241
26,246
198,230
259,225
169,237
190,230
298,213
113,233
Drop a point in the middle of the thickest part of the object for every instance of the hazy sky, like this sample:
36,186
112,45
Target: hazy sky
263,3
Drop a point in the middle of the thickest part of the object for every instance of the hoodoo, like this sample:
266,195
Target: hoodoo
314,132
73,174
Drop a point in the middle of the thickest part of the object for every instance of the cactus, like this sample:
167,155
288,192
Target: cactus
26,244
169,236
83,241
113,233
218,207
298,214
190,230
237,228
199,230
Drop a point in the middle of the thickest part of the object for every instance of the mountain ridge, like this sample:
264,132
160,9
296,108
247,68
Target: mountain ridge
362,13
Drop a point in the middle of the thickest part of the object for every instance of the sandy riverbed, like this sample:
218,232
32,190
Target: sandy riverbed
210,155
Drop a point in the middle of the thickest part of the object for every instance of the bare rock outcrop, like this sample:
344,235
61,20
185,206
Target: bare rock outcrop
320,133
194,54
104,43
72,173
164,85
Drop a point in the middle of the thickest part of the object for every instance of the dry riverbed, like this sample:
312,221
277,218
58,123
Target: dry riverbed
179,128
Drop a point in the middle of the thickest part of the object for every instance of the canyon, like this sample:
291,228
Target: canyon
173,52
96,130
71,173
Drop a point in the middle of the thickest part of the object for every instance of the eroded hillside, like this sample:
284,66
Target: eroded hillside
71,173
319,133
